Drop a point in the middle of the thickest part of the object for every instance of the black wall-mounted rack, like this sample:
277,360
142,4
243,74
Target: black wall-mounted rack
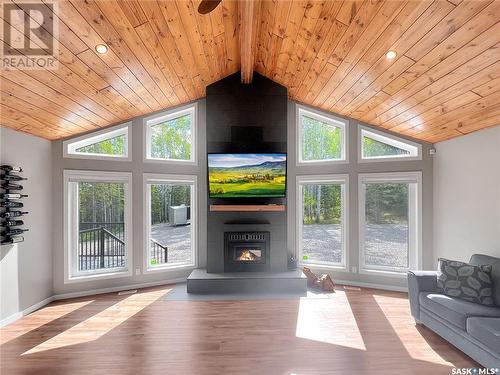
11,204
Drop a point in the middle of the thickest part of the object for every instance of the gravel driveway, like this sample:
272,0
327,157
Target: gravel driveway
386,244
176,238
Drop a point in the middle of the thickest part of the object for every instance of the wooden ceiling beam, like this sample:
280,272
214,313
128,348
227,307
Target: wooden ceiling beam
249,19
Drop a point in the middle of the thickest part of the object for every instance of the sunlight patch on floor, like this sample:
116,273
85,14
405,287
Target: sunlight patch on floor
404,327
38,319
100,324
317,321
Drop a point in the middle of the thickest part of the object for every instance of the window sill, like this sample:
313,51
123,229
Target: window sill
97,276
308,163
97,157
387,273
166,268
387,159
171,161
326,267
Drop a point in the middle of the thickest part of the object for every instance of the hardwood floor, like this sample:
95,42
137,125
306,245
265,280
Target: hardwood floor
353,331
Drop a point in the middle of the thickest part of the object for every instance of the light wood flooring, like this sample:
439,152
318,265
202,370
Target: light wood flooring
353,331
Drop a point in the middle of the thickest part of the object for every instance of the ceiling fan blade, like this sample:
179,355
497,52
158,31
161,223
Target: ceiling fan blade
206,6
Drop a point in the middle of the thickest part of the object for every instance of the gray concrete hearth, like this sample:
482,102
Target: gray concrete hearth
201,282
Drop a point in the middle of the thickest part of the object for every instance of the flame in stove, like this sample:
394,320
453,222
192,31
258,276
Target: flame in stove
247,255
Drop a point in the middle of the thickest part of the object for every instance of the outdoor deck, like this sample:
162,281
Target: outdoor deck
101,250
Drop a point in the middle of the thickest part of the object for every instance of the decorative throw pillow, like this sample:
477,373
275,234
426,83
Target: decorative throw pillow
465,281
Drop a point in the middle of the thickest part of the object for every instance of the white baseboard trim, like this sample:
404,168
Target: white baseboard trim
12,318
93,292
372,286
56,297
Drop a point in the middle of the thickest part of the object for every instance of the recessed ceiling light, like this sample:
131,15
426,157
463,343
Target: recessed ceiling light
391,54
101,48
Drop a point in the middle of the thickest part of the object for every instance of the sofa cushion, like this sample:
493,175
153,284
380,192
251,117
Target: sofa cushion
454,310
495,272
466,281
485,330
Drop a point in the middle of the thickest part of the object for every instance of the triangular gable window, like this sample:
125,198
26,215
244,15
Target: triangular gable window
102,145
376,145
112,146
171,136
321,137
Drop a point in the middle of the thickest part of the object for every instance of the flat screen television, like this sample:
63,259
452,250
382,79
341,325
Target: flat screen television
237,176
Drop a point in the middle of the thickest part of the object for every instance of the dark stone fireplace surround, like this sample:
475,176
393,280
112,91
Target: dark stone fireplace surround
246,119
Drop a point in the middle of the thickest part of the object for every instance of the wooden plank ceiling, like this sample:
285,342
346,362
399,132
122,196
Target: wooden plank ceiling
444,81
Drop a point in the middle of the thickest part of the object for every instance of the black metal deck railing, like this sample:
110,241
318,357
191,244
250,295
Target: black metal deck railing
100,248
101,245
115,227
159,252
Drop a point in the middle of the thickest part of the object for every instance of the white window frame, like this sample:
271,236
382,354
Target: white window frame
71,145
326,118
343,180
191,109
415,149
148,180
414,221
71,202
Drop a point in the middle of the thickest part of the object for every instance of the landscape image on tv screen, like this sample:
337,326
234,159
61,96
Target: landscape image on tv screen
247,175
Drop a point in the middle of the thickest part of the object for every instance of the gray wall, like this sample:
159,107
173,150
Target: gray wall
137,167
26,268
467,196
353,168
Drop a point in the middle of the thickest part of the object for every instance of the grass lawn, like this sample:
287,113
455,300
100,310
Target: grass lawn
237,186
248,189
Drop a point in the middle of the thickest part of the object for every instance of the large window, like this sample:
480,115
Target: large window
112,143
171,137
378,146
320,138
389,221
98,220
322,220
170,221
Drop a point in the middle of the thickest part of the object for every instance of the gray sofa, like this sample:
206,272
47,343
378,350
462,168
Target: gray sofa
472,328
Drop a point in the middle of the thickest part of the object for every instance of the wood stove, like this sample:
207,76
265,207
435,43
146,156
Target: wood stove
246,251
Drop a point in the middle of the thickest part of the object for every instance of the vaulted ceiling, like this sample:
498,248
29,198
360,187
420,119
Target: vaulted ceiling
443,82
